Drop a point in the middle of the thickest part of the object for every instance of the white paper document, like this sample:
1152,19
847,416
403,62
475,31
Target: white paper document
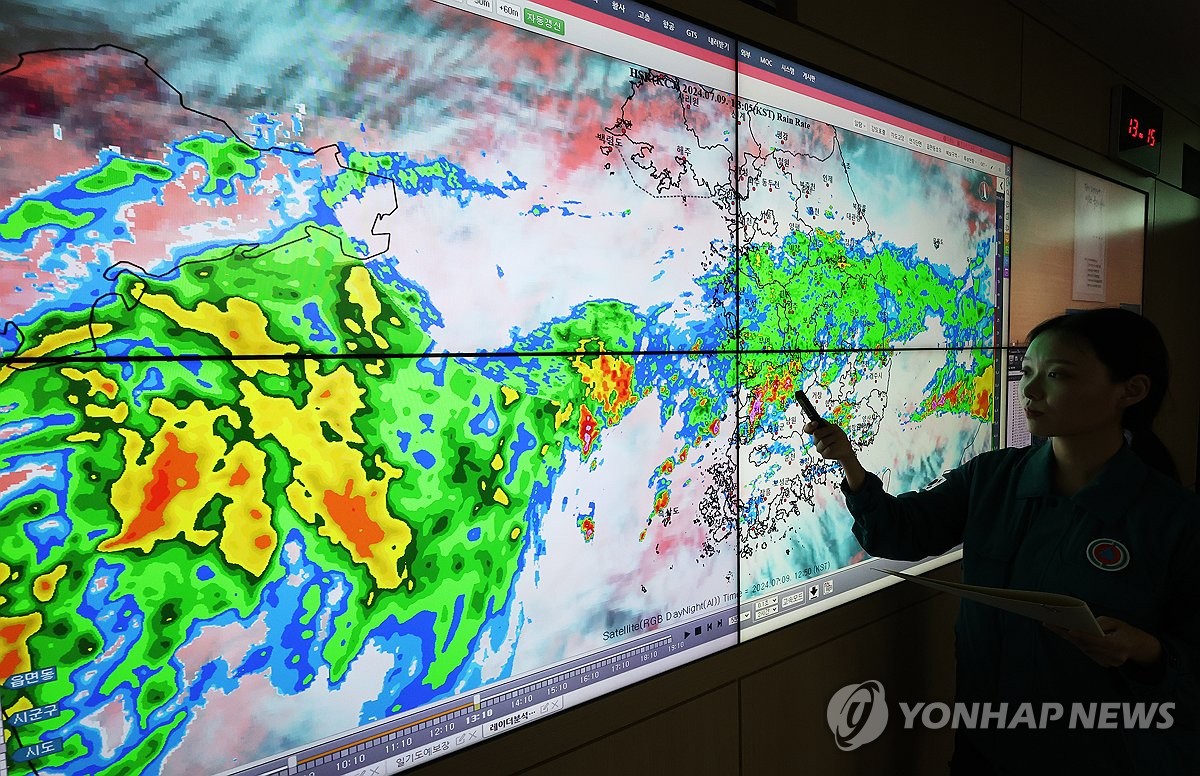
1052,608
1090,281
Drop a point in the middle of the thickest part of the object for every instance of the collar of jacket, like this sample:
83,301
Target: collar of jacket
1109,495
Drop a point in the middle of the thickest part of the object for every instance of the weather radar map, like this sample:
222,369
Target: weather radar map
868,280
359,359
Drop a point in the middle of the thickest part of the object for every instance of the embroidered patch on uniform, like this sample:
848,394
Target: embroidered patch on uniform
1108,554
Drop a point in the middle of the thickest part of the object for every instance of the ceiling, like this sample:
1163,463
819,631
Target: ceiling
1155,44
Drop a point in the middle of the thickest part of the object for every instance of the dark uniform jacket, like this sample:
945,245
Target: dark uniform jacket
1128,544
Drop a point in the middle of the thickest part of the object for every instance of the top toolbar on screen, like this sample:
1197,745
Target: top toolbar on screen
647,36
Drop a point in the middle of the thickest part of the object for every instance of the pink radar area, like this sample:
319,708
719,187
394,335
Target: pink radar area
96,99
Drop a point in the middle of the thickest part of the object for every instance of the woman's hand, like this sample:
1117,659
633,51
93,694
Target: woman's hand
1120,643
829,441
832,444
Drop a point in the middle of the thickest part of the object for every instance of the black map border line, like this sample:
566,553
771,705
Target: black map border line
246,250
19,362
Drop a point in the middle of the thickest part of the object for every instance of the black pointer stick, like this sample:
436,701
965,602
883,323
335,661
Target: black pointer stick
809,409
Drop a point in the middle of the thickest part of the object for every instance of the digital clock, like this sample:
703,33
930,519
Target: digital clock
1137,133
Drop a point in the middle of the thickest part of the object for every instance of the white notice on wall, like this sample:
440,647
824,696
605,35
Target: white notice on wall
1089,281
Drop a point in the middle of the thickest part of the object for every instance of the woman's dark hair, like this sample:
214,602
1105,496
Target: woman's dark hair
1127,344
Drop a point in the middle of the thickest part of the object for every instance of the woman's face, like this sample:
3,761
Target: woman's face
1067,390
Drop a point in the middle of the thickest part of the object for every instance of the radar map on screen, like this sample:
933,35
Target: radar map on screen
356,361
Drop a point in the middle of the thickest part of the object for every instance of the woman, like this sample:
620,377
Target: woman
1097,513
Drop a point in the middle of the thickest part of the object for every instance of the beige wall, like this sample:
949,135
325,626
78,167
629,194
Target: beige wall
760,708
1043,248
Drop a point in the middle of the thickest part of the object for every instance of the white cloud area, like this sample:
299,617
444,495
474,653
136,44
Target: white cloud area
577,590
232,729
501,266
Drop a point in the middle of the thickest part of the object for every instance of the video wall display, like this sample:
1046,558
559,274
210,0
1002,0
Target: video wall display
377,381
871,249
